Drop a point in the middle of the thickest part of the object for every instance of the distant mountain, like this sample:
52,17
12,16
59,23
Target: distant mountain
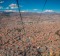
50,13
4,13
26,13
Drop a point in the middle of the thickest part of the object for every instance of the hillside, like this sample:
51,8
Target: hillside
40,36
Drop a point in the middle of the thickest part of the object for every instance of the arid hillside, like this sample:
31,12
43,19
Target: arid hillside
39,35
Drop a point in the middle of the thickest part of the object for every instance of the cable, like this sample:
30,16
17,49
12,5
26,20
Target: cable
42,10
44,5
21,19
20,15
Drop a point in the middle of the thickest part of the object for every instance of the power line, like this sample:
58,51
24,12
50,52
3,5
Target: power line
20,14
44,5
42,10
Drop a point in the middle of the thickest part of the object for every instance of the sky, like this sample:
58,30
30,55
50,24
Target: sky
30,5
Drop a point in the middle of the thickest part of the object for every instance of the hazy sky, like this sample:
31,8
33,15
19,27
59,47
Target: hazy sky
30,5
